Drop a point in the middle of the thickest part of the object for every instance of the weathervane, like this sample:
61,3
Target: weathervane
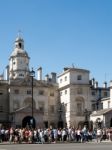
19,33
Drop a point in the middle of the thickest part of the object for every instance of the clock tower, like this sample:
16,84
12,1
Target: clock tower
18,61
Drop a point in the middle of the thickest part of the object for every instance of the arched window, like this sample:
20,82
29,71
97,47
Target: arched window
19,45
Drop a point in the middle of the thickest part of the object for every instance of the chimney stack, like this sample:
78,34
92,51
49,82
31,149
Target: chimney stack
105,84
39,73
47,77
7,73
96,84
93,82
111,93
53,77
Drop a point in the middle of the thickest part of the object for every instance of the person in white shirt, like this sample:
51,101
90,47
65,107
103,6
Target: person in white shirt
98,135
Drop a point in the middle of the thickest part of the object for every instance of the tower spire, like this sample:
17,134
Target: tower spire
19,33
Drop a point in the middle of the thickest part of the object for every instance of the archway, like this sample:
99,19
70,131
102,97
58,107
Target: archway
111,122
28,121
60,124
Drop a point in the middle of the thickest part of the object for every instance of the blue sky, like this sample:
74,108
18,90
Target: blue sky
59,33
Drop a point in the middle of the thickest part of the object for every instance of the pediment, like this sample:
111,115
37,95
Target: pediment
27,109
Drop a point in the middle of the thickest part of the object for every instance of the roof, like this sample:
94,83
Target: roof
19,52
101,112
105,99
68,69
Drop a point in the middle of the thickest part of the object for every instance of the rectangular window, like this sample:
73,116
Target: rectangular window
93,107
93,93
79,77
41,92
65,91
1,108
21,75
108,104
29,92
41,106
79,109
1,92
105,94
65,78
52,109
16,91
52,94
65,107
101,105
60,80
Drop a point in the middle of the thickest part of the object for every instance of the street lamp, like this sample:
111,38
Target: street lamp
98,123
86,113
32,74
60,123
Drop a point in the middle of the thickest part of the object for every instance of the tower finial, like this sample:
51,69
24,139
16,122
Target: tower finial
19,33
73,65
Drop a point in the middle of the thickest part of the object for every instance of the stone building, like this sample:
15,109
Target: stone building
74,88
66,100
4,102
79,96
17,105
103,115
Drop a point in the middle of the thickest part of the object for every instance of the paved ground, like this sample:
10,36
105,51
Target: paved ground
70,146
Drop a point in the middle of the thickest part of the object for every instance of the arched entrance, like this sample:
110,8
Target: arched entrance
111,122
28,121
60,124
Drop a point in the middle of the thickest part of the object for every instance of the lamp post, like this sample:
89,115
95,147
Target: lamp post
86,113
60,123
32,74
98,123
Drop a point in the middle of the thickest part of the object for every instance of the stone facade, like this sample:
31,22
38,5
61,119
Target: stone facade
64,101
104,114
74,91
16,93
4,102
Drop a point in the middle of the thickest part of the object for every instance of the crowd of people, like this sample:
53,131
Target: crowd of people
53,135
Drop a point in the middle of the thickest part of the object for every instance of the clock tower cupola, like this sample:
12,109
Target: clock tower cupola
19,60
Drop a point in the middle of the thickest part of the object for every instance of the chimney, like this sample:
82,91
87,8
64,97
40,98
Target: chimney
7,73
111,93
93,82
66,68
96,84
47,77
39,73
111,84
105,84
53,77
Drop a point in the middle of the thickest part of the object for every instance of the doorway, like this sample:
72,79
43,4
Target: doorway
111,122
28,122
